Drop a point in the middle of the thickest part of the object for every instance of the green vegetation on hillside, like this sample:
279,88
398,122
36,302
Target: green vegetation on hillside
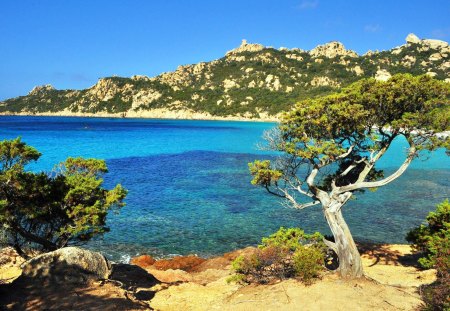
244,82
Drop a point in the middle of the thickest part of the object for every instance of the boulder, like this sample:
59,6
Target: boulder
435,44
69,264
412,38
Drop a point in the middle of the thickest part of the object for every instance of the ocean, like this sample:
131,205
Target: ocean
189,185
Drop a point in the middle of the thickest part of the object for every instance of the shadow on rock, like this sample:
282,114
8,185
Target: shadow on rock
132,277
62,286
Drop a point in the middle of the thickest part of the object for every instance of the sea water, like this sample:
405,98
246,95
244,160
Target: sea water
189,185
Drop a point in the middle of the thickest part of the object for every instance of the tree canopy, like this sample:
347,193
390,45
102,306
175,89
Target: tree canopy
47,211
330,146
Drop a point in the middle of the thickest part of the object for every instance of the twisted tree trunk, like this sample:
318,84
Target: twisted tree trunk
350,265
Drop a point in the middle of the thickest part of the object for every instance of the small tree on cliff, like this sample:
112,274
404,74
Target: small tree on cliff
51,211
330,146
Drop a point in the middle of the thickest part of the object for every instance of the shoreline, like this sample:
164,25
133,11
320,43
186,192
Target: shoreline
156,114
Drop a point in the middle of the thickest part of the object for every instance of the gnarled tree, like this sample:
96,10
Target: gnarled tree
49,211
331,144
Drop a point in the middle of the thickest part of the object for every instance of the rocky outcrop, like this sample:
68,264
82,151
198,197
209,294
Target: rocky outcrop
435,44
382,75
246,47
412,38
324,81
69,264
41,89
331,50
185,263
143,261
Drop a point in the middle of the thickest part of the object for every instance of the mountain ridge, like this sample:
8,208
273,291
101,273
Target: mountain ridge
251,81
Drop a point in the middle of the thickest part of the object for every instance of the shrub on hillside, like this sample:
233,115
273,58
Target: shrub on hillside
433,241
429,238
286,253
437,295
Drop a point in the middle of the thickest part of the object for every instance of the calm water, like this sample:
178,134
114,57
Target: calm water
189,187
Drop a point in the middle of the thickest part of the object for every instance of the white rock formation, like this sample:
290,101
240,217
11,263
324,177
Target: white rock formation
41,89
412,38
382,75
358,70
246,47
324,81
332,49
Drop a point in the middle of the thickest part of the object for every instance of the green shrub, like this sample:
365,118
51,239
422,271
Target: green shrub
292,239
308,263
437,295
429,238
433,241
283,255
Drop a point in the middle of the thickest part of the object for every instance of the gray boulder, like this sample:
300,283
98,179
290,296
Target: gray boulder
69,264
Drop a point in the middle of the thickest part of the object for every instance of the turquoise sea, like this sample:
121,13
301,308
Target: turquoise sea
189,186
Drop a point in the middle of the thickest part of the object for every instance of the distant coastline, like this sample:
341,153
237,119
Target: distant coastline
151,114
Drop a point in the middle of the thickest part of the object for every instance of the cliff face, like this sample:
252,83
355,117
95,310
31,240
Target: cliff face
251,81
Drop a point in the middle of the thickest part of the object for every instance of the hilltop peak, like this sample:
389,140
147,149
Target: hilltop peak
412,38
331,50
40,89
246,47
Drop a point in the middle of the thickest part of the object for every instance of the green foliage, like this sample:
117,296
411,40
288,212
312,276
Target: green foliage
263,174
433,238
319,131
15,154
49,211
282,255
292,239
433,241
308,263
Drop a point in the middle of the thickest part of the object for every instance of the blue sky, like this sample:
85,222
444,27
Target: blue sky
70,44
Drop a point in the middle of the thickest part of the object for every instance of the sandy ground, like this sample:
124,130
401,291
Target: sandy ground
391,283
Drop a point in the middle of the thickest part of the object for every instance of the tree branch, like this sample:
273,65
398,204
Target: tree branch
300,190
297,205
330,244
374,184
33,238
350,149
272,192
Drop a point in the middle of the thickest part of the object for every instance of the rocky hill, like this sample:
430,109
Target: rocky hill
251,81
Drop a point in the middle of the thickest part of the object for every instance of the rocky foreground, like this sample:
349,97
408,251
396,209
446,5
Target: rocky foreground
192,283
